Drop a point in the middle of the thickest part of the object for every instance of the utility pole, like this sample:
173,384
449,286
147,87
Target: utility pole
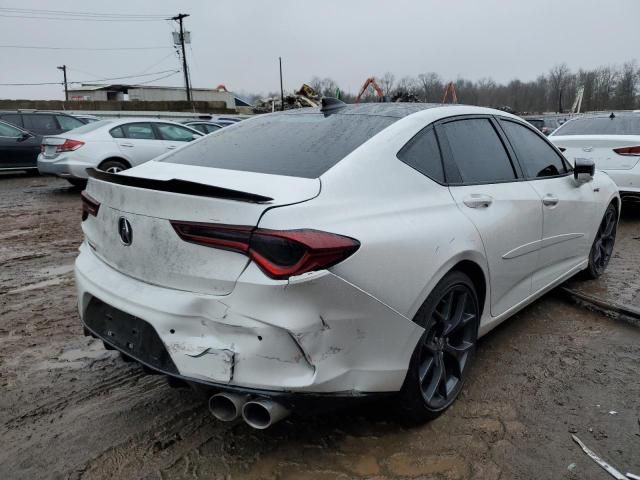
281,88
66,89
178,18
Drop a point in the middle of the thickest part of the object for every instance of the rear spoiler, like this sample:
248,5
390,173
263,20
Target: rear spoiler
174,185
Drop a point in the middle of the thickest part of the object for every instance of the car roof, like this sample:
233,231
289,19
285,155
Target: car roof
36,112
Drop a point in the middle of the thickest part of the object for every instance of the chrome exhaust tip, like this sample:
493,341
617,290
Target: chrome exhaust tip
263,413
227,406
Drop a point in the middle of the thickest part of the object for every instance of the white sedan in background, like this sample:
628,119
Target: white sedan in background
611,140
110,145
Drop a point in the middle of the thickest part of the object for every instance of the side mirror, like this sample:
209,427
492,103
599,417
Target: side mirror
24,136
583,170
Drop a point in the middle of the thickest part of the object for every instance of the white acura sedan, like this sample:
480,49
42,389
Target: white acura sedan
611,140
347,251
110,145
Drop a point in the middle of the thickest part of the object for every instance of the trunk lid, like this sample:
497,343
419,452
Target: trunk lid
156,254
599,149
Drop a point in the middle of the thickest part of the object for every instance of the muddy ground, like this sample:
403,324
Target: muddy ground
70,409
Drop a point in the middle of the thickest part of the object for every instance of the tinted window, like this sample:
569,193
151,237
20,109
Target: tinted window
537,123
9,131
138,131
117,132
200,127
68,123
12,118
478,151
293,144
174,132
423,154
41,123
538,159
621,124
211,128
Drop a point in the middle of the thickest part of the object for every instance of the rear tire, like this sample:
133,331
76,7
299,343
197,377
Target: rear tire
602,247
113,166
441,360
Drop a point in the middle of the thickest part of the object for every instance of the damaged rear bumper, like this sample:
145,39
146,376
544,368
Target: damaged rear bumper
319,334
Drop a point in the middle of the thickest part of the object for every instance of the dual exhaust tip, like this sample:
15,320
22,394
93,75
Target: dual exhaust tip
258,413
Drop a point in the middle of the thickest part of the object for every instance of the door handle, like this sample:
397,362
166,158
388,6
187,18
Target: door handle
171,147
478,200
550,200
126,144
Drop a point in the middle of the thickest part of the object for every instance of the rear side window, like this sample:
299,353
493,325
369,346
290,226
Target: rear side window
41,123
174,133
618,125
293,144
478,151
68,123
138,131
211,128
200,127
14,118
423,154
537,158
117,132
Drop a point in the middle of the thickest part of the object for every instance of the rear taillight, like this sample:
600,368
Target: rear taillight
90,206
69,145
279,253
628,151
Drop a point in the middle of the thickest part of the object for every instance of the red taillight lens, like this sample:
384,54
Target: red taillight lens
279,253
69,145
90,206
629,151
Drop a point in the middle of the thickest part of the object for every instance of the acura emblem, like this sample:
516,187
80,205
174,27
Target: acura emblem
587,149
124,229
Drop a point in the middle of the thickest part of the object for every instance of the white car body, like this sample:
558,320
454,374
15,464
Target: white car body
98,145
347,329
605,150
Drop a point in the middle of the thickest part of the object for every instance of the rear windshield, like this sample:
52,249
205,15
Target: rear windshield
90,127
619,125
297,145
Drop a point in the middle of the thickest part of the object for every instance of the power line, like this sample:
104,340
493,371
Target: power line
30,11
159,78
39,47
89,81
86,19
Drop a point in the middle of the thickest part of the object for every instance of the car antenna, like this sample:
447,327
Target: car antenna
612,116
330,104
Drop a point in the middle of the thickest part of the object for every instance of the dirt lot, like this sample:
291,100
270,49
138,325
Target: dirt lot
70,409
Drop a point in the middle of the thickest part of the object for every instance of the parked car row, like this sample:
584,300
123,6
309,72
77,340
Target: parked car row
66,145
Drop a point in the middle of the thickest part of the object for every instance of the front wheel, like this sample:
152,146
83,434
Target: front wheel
441,360
602,247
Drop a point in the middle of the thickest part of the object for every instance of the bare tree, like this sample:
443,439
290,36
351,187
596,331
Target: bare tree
625,91
431,86
558,78
386,83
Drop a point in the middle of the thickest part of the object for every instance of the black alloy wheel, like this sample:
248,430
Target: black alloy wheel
602,247
442,357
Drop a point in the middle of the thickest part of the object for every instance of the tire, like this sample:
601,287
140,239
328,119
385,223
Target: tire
113,166
443,355
78,182
602,247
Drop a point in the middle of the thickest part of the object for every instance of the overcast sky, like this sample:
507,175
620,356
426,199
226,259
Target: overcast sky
238,42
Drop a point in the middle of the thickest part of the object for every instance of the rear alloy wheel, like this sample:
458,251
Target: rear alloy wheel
444,353
602,247
113,166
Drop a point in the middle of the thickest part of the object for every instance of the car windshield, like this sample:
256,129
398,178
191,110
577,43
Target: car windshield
90,127
298,145
618,125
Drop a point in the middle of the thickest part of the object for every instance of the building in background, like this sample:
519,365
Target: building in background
146,93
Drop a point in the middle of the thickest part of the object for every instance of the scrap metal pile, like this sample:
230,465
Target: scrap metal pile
305,97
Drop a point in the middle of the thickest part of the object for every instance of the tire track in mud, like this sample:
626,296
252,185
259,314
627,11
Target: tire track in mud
75,398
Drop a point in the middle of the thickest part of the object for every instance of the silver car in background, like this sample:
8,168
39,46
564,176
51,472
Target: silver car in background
110,145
